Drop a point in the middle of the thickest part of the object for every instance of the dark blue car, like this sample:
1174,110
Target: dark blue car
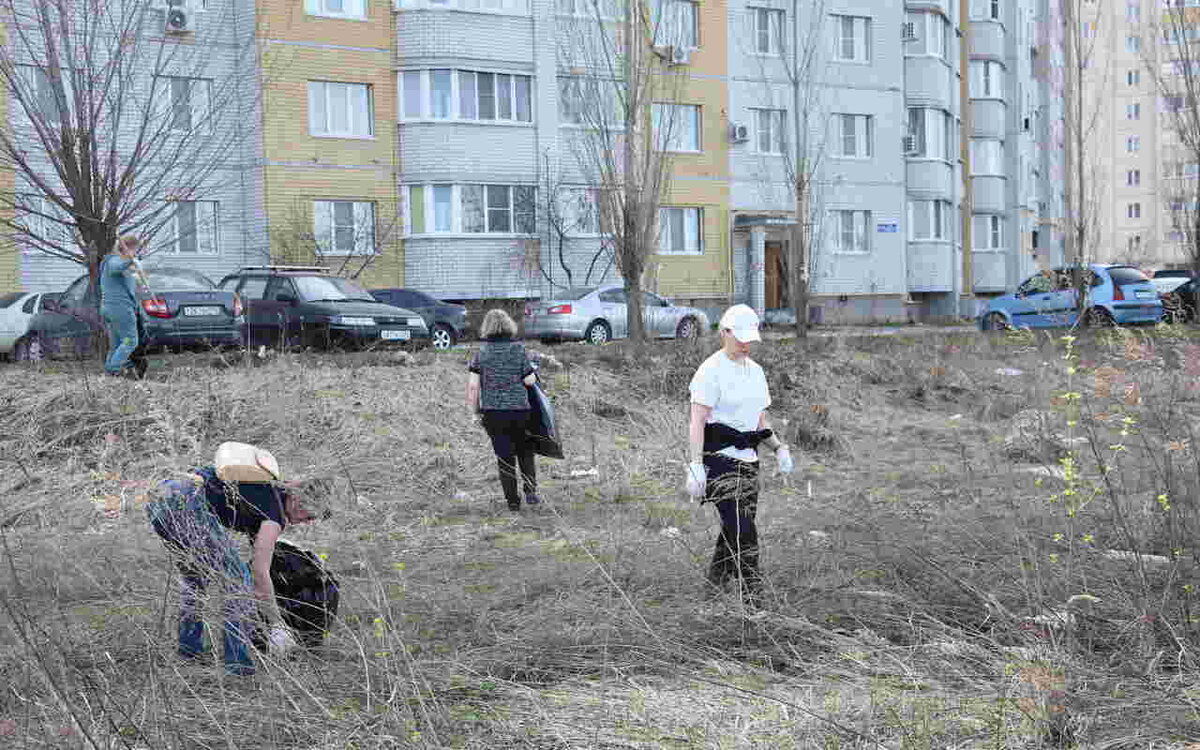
1115,295
446,321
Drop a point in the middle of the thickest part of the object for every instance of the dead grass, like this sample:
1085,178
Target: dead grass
919,577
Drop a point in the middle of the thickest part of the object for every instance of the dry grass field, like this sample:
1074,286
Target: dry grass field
990,541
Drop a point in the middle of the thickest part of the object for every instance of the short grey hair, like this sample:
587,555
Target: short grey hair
497,323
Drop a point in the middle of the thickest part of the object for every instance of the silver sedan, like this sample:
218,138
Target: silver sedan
598,314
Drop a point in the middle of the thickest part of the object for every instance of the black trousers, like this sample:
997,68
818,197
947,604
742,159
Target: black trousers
733,488
509,431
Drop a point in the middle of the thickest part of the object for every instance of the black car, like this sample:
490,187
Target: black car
446,321
181,308
293,306
1179,297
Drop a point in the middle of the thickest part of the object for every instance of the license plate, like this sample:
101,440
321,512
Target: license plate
395,335
201,310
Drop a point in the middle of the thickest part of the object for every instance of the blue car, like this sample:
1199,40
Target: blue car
1116,295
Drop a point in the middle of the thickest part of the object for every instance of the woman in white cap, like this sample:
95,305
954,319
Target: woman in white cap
194,518
728,421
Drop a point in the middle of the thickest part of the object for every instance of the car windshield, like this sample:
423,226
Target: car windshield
1122,275
574,293
177,280
1166,284
330,289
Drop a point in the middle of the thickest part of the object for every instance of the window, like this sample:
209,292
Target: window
1133,111
987,157
679,230
675,24
1133,144
344,227
1134,243
46,224
336,8
430,208
852,38
1133,177
590,9
987,79
579,211
1133,77
194,228
929,220
769,131
1133,43
43,94
987,232
994,10
445,94
509,7
1133,211
931,35
852,231
498,209
188,102
677,127
985,9
340,109
932,132
768,31
1172,103
589,101
1133,13
855,136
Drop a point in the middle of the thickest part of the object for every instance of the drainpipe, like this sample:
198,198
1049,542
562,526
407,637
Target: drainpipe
964,148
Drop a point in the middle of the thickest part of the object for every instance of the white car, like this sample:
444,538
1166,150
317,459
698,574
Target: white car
16,310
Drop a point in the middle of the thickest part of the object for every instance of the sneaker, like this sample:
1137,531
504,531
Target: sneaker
514,506
532,499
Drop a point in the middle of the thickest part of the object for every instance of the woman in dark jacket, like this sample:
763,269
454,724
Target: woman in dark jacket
500,372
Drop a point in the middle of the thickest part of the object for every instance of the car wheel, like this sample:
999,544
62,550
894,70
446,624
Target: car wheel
597,332
995,322
29,349
441,336
1098,317
688,329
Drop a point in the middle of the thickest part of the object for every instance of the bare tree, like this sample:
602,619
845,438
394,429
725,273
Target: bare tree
1177,82
577,253
344,236
622,84
118,114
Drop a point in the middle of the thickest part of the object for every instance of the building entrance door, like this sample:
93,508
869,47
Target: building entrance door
773,280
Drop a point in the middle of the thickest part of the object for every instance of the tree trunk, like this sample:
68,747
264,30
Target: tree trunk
798,267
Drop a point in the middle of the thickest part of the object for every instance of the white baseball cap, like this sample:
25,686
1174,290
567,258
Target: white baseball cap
742,321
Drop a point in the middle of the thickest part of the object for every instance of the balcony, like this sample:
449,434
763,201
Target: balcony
988,118
930,266
987,40
929,82
988,269
987,193
930,179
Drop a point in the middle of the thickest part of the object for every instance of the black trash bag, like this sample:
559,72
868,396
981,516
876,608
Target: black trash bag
542,431
306,592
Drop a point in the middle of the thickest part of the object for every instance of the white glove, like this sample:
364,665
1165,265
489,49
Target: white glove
697,475
783,456
281,640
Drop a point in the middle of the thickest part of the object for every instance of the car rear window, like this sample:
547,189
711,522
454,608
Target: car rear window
1122,275
178,280
11,297
575,293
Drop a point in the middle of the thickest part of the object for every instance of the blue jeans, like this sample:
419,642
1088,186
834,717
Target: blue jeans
122,328
206,554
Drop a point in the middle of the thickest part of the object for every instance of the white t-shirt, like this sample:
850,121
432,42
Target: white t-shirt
737,393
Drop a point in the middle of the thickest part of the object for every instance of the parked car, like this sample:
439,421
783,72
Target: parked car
182,308
1168,273
447,322
1117,294
598,314
16,310
308,306
1179,297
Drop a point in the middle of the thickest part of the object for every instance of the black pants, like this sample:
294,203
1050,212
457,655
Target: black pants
509,431
733,487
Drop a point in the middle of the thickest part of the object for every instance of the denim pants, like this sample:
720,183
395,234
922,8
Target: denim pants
206,555
122,327
733,488
509,432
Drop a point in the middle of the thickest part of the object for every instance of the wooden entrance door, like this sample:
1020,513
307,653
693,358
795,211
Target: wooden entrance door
773,274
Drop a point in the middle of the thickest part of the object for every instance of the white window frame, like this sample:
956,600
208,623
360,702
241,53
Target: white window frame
579,211
933,35
46,229
577,93
933,142
1133,210
852,34
676,23
320,100
352,9
770,131
198,93
362,227
1133,111
987,157
495,7
678,128
1133,144
1133,178
461,103
691,220
987,233
492,207
1133,43
205,215
851,231
987,79
766,27
591,10
855,129
935,215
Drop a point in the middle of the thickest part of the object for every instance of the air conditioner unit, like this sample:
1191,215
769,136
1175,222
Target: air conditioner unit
680,55
179,19
909,144
908,32
738,132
